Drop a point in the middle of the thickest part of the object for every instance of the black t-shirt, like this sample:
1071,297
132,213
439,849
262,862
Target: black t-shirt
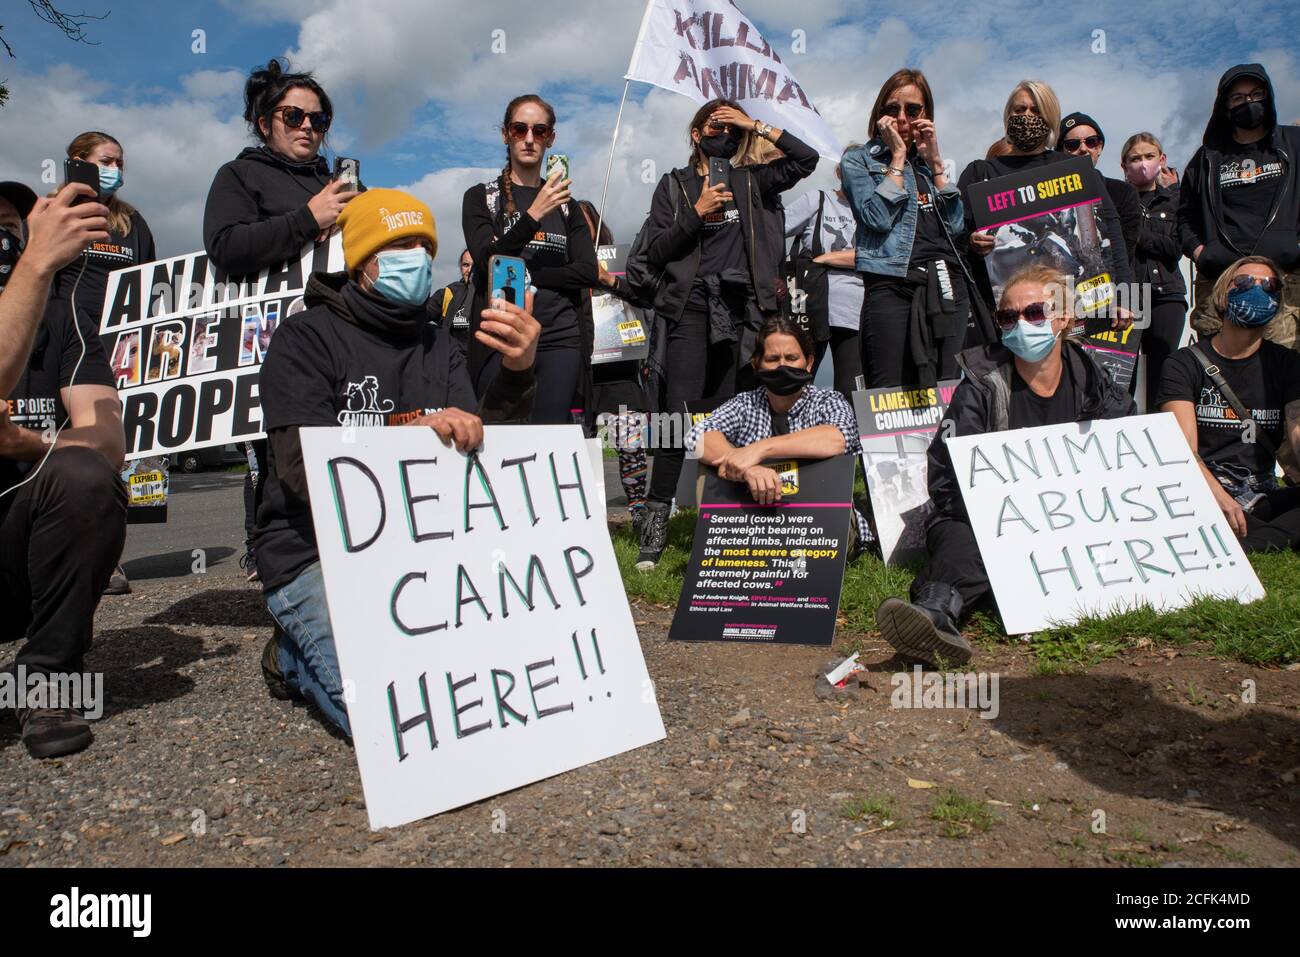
931,240
1264,382
556,312
35,402
1028,409
780,422
1249,178
100,259
321,369
722,247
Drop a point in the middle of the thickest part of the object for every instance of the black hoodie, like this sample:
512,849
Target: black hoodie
1203,217
257,214
354,358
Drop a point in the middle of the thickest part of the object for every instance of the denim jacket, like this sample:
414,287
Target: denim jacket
886,214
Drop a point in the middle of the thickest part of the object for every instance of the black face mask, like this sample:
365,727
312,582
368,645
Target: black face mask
1247,116
783,380
721,146
11,247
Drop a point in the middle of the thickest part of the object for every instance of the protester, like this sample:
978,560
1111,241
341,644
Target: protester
454,303
1081,136
62,504
129,243
719,248
521,214
1035,376
1241,196
820,218
1236,396
618,391
785,417
366,325
1031,118
916,307
57,232
1157,255
268,203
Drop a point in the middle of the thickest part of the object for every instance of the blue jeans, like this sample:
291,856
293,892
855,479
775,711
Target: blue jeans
305,641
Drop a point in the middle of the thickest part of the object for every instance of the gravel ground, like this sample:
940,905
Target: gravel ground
194,764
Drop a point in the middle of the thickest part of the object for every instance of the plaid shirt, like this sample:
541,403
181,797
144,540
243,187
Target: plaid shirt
748,418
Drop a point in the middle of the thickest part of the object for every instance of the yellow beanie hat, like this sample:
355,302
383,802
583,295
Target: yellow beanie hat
377,217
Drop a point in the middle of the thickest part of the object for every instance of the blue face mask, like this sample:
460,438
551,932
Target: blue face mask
1028,341
405,276
110,180
1255,306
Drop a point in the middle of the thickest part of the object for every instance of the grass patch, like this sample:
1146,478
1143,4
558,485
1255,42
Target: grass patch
961,816
1266,632
873,806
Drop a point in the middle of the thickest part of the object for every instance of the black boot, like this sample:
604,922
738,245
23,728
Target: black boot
654,535
53,732
926,629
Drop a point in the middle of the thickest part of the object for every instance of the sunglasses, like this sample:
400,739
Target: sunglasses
1035,313
294,115
1092,142
1271,284
713,127
520,131
913,110
1254,96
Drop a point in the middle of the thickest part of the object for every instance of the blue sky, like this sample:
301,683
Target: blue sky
419,89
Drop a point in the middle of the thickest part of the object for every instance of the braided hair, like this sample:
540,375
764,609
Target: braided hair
507,187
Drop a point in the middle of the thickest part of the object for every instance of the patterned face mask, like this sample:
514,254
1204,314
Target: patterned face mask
1026,131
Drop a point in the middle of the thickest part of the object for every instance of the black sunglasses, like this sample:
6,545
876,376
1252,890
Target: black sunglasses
520,130
1035,313
294,115
1271,284
1092,142
913,110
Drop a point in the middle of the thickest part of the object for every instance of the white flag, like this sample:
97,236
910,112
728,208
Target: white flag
706,49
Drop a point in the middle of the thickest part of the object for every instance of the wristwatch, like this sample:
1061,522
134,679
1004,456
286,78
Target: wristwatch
763,129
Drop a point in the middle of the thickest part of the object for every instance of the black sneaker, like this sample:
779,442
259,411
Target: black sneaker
118,584
926,630
248,562
280,689
654,535
53,732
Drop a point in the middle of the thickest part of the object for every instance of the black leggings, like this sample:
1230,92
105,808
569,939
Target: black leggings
1160,341
846,359
886,318
557,372
694,370
1274,524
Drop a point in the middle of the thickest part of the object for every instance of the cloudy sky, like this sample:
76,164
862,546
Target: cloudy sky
419,86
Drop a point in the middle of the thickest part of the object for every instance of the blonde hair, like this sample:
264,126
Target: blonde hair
1044,277
1219,295
119,211
1044,97
1134,140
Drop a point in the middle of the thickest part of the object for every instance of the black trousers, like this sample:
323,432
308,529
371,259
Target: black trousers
253,490
886,317
1274,524
694,370
1160,341
558,374
953,559
61,535
846,359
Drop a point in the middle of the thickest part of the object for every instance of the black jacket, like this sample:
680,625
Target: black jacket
673,229
1158,251
1200,219
982,404
257,214
1129,209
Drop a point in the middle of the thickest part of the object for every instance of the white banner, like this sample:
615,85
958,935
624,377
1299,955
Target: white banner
483,634
1093,518
185,343
706,49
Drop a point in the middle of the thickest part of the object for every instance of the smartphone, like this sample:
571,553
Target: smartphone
79,171
560,160
509,275
349,170
719,171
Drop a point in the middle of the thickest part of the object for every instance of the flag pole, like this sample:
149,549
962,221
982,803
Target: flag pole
618,122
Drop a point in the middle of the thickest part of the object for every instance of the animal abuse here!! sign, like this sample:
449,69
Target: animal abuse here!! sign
483,634
1091,518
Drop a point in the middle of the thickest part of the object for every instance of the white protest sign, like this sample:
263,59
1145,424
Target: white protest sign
707,49
185,342
483,634
1092,518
